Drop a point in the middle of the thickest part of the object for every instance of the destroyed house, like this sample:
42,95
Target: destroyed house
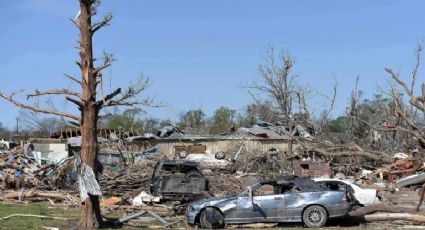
118,148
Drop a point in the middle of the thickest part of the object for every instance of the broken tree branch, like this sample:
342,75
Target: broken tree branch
100,68
73,78
77,102
104,22
383,158
38,216
395,217
74,123
107,99
370,209
29,194
147,102
53,92
75,23
38,110
396,128
413,100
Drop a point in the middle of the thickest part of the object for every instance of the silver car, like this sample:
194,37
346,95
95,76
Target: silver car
289,199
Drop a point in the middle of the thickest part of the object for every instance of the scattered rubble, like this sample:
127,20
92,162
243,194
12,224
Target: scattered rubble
18,171
128,182
128,190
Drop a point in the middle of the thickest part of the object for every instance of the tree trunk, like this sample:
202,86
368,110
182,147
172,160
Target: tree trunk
290,147
395,217
90,213
421,198
370,209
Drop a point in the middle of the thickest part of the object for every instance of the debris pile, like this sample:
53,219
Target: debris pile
224,185
274,131
127,182
18,171
400,168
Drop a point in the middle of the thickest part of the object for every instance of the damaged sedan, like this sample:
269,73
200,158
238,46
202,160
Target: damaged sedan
288,199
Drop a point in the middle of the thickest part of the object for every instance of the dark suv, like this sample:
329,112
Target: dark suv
178,180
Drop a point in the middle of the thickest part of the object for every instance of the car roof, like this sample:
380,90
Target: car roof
336,180
332,179
304,183
179,162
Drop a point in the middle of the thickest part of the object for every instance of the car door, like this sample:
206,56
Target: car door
267,206
245,211
266,202
257,208
294,202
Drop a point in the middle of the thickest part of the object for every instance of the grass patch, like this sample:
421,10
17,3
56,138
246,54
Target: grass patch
34,223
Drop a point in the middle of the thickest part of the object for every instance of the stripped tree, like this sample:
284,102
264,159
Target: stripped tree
406,118
288,101
277,83
89,101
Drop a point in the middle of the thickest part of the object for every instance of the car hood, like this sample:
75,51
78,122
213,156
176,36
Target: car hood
223,203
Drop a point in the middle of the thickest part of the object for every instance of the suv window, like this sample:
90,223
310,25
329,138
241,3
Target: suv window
172,169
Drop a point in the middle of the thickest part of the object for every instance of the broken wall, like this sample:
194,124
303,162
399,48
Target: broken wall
229,146
53,153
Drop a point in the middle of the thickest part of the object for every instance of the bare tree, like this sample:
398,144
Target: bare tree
279,85
325,115
40,126
90,104
404,119
258,110
193,121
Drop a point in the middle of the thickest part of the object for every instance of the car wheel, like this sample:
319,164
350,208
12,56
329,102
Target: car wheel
315,216
211,218
193,174
220,155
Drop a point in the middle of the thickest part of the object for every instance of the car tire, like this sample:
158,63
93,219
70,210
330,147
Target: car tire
220,155
211,218
193,174
315,216
183,154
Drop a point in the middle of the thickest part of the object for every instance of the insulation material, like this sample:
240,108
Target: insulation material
87,181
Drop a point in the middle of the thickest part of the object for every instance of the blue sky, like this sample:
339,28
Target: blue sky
199,54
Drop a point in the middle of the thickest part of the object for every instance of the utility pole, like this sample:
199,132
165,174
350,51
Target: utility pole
17,124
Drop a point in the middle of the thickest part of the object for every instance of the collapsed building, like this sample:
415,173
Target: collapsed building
264,143
239,157
262,147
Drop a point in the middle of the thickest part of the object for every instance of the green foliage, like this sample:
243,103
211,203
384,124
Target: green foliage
338,125
129,120
150,125
223,120
193,121
165,122
255,112
376,111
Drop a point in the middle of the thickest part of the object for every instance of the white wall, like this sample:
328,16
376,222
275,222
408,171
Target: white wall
52,152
